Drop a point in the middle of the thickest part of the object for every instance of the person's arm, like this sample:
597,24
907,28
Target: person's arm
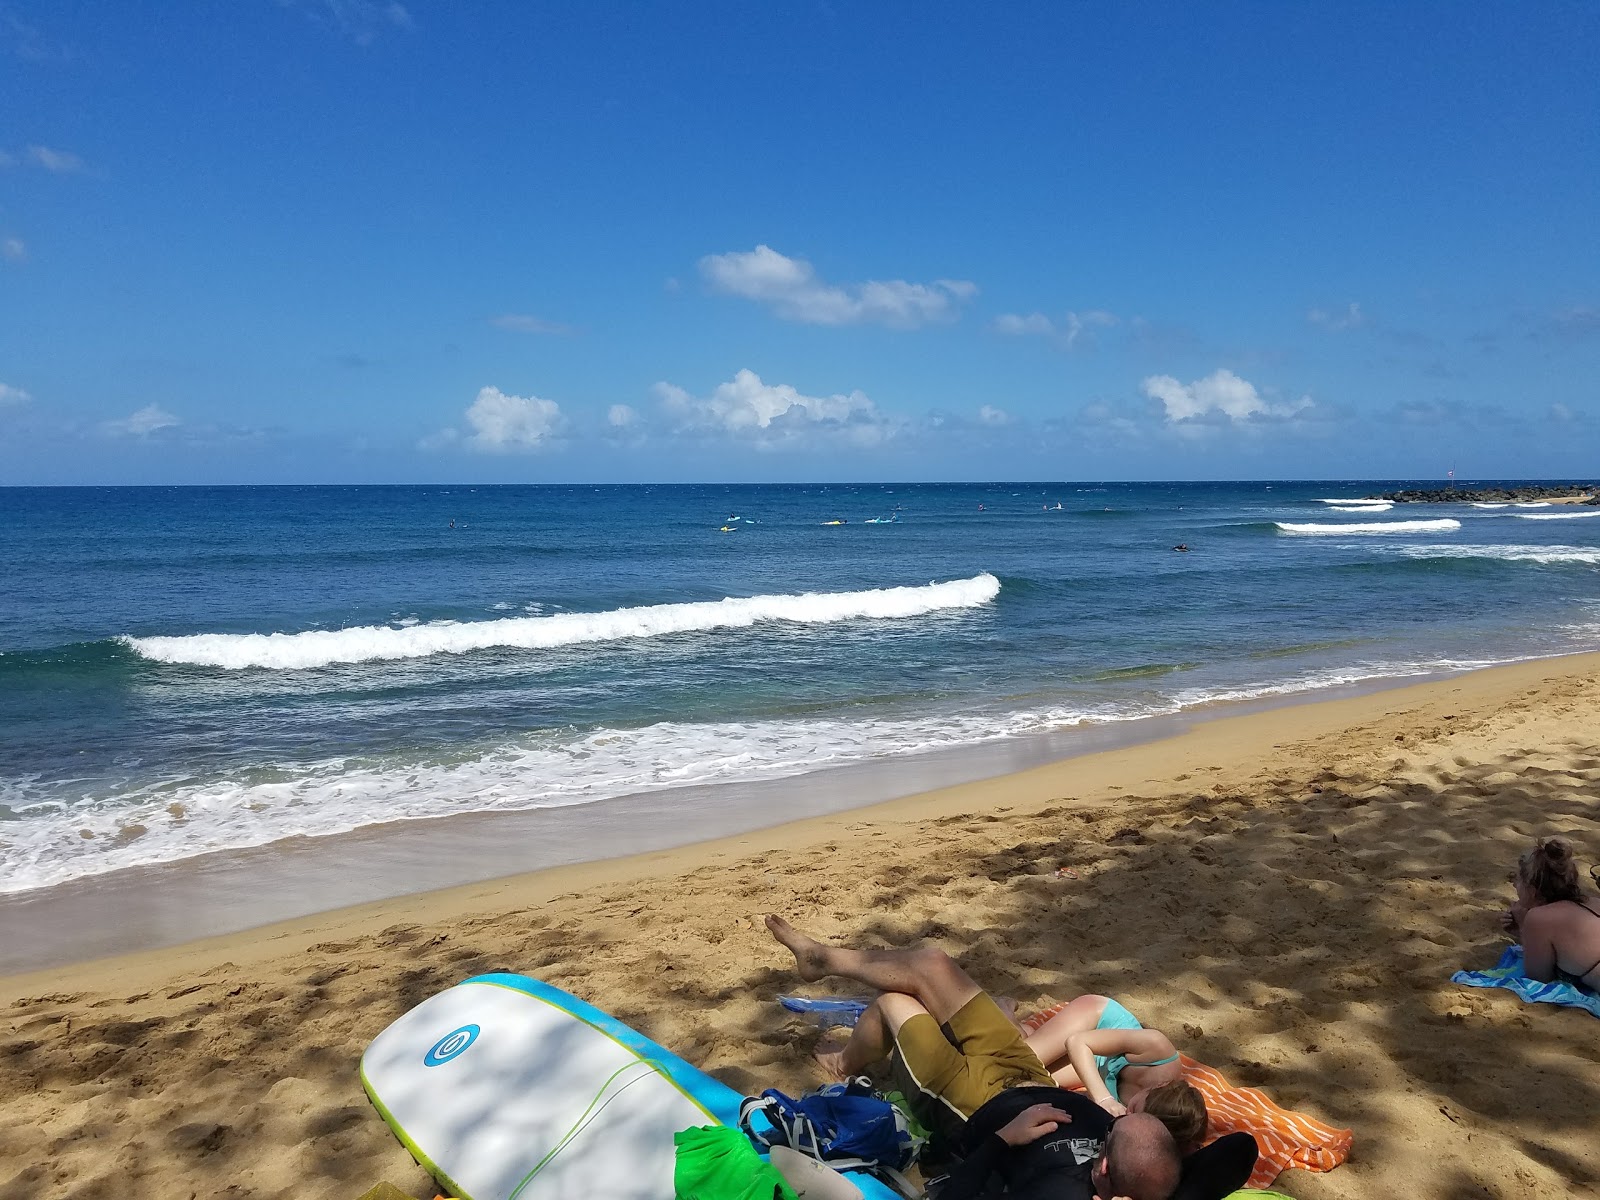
1538,944
972,1175
1108,1043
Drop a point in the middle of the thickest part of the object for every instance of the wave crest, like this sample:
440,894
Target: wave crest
1338,529
366,643
1545,555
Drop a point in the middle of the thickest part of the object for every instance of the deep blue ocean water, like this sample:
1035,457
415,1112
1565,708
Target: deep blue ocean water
192,669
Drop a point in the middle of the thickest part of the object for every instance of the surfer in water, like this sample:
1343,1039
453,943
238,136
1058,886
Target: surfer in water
1182,547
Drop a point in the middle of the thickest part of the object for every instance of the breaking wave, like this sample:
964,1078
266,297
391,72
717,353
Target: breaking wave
1340,529
1546,555
366,643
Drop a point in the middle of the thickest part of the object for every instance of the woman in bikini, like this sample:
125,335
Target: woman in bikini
1098,1045
1558,929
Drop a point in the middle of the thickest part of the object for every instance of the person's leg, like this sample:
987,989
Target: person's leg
872,1038
1049,1041
925,972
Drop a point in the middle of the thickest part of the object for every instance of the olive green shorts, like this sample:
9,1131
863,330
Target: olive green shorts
969,1060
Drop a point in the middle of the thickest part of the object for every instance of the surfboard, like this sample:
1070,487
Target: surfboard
508,1088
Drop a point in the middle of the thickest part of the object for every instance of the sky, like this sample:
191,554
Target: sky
395,241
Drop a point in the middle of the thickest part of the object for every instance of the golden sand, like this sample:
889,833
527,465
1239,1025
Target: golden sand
1285,893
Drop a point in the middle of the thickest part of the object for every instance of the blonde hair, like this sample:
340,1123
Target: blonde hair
1550,871
1182,1109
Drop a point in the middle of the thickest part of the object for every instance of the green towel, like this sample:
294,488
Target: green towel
717,1162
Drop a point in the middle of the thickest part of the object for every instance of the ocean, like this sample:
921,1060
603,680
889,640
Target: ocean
192,670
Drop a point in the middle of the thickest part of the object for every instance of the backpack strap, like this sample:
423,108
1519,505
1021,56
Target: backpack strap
790,1127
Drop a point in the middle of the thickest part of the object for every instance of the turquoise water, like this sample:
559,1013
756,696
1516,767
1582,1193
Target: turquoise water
192,669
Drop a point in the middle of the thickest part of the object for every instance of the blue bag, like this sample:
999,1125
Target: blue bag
844,1125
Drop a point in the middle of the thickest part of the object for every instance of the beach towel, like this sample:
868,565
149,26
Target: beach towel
1507,973
717,1162
1285,1139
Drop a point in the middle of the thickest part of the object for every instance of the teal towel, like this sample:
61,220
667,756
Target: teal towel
1507,973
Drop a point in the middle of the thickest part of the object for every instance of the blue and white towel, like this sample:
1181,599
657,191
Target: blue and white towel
1507,973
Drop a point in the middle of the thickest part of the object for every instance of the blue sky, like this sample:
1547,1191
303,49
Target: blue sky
364,241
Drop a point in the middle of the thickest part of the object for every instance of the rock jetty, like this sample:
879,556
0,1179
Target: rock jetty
1494,495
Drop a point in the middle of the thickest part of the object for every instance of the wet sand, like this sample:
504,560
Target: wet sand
1285,892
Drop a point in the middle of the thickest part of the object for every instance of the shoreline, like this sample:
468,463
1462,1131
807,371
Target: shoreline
1286,892
157,906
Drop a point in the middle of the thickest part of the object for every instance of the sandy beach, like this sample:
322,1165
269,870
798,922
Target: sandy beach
1286,893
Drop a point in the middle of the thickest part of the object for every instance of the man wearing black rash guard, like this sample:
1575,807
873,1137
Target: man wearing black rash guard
1044,1143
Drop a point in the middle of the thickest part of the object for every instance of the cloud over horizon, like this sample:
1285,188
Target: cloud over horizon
791,289
1220,398
144,422
776,415
1073,328
1337,321
502,423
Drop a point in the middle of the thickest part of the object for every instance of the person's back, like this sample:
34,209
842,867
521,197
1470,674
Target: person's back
1558,926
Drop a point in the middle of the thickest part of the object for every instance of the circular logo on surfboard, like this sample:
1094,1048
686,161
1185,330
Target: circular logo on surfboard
451,1045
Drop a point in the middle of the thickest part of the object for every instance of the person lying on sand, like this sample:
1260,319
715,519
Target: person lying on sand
1558,929
1097,1044
964,1053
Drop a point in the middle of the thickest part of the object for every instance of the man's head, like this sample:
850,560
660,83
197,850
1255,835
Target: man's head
1140,1161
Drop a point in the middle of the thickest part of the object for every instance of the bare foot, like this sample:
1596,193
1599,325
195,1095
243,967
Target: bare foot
830,1057
810,955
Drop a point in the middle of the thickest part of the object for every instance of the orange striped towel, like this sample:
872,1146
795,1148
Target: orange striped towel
1286,1139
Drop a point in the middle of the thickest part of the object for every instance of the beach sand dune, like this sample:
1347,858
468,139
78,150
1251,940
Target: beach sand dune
1285,893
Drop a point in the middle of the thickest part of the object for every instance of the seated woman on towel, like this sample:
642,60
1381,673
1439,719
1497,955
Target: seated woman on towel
1097,1044
1558,929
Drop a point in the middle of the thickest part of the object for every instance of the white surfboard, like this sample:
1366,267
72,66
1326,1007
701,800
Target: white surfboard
506,1088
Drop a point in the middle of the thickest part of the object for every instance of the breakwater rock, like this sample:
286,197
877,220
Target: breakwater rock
1493,495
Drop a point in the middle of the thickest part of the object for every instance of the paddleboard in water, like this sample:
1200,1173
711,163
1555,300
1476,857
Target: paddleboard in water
507,1088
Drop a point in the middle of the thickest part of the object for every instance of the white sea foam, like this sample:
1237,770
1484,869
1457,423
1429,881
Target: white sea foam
1366,508
180,818
1356,500
1569,516
1333,529
1533,504
1487,504
365,643
1548,555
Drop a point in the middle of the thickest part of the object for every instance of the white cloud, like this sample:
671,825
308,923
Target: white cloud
506,423
1016,325
12,395
1221,395
360,20
777,414
61,162
790,287
143,423
13,249
1068,332
620,416
523,323
1351,318
990,415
